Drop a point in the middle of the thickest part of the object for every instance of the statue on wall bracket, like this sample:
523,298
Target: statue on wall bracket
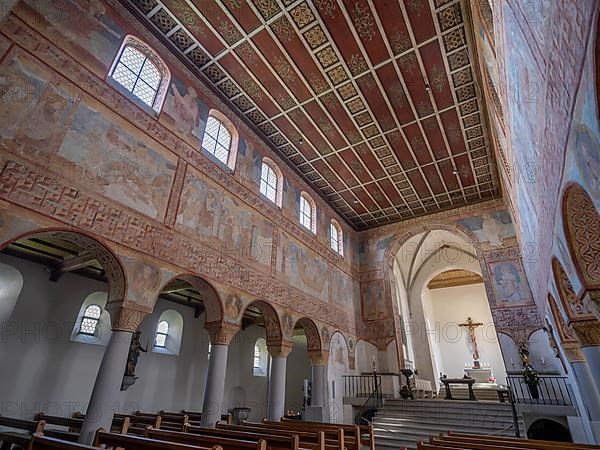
135,349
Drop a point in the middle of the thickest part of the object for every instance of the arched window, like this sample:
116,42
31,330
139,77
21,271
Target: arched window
308,212
141,73
92,325
162,331
90,319
261,358
336,239
220,138
169,332
271,181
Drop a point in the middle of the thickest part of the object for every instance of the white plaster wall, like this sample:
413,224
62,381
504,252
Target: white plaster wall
451,306
365,353
50,372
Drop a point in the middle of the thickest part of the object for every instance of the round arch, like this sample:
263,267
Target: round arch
210,297
574,306
272,323
395,246
581,223
313,337
115,273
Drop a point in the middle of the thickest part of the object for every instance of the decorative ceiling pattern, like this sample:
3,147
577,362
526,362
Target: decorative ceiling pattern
375,102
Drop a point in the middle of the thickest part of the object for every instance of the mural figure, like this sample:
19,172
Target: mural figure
233,306
510,284
145,280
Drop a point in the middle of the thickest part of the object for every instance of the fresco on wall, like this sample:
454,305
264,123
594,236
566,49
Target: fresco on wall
587,159
35,106
492,227
372,301
118,163
372,250
206,212
341,287
184,112
84,23
302,267
509,284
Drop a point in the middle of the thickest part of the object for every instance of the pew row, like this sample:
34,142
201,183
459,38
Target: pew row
274,442
206,440
309,440
357,434
461,441
19,432
114,441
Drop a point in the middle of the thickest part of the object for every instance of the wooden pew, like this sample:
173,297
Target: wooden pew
21,432
490,444
113,441
467,439
136,424
353,434
120,423
50,443
173,421
310,440
195,418
205,440
335,436
274,442
72,425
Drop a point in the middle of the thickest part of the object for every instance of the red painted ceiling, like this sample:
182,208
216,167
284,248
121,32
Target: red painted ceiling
375,102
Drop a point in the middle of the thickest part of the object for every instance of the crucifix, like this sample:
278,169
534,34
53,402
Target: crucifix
471,326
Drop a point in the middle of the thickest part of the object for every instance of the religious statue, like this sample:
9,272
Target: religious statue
134,354
472,338
552,340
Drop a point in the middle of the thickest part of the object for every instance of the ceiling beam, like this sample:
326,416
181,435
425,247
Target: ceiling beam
71,264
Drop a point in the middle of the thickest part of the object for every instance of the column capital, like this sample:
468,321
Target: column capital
124,318
282,349
221,332
573,353
591,299
319,357
587,332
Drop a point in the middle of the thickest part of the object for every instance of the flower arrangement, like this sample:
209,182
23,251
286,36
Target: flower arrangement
530,376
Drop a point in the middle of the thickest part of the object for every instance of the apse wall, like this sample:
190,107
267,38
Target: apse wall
452,306
50,372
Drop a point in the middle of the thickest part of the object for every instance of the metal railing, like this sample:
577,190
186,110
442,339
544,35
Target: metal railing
372,404
361,385
552,390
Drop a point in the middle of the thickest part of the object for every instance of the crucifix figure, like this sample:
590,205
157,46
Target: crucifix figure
471,326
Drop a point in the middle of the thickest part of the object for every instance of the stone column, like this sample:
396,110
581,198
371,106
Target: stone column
318,410
276,395
588,334
5,7
220,338
585,380
107,387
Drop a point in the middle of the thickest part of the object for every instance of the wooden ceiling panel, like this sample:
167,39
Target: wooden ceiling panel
369,97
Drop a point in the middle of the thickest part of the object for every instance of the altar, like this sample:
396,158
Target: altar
481,375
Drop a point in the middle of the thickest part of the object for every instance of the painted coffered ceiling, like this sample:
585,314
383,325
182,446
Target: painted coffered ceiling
375,102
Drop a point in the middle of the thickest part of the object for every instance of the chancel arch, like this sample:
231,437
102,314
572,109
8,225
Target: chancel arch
444,308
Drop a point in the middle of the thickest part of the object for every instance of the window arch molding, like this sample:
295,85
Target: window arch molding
307,211
212,138
336,237
173,332
126,75
269,189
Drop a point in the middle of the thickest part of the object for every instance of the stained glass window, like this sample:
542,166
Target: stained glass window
90,319
162,331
